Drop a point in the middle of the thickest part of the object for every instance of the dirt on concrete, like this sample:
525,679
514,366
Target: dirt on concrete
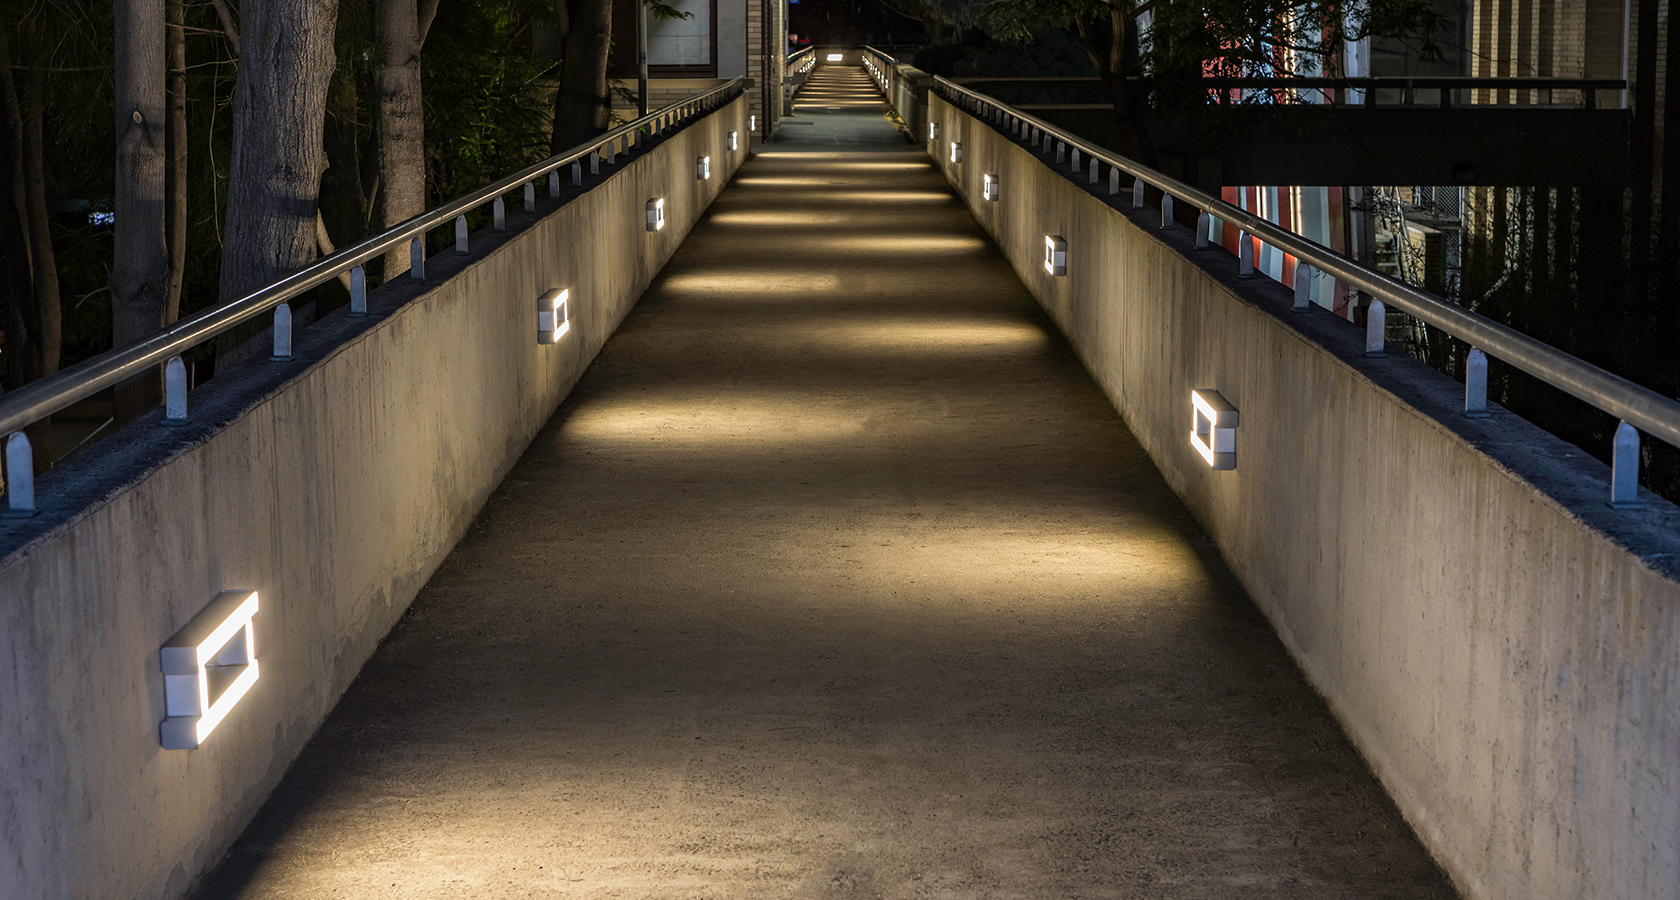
837,577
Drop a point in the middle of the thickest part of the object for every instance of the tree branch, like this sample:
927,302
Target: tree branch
427,11
230,25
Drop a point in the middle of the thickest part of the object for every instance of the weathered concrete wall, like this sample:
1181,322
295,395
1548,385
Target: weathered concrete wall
1500,645
334,485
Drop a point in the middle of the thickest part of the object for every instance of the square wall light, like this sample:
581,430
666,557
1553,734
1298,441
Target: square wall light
989,187
733,142
1055,254
656,214
703,168
552,319
956,151
1213,429
933,131
207,667
836,57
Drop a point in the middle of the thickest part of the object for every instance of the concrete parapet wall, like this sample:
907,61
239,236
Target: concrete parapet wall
334,485
1502,647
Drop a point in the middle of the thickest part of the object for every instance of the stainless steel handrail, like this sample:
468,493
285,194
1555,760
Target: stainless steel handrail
39,399
1638,406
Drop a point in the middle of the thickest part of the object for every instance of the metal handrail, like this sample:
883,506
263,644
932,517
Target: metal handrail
39,399
1635,405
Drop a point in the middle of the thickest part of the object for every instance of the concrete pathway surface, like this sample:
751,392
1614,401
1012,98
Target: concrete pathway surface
836,578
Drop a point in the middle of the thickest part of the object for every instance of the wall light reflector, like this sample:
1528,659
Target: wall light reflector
1213,429
207,667
956,151
703,168
552,319
989,187
933,131
733,142
656,214
1055,254
836,57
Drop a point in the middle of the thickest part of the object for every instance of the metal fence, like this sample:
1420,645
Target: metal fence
1639,409
38,400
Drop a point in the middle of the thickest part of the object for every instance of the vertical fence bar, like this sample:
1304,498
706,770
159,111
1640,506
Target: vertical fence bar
175,390
1475,384
461,236
282,332
20,477
1624,469
358,292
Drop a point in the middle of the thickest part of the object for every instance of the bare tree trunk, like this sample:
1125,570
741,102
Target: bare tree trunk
140,270
286,61
175,213
402,128
46,339
14,230
582,106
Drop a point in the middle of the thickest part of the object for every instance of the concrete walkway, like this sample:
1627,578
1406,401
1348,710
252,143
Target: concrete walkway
836,577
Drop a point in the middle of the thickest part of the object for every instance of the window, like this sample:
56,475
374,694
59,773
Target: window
684,46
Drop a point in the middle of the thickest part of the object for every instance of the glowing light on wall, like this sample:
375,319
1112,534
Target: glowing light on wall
752,123
836,57
989,187
703,168
207,667
1213,429
1055,254
656,214
552,319
933,131
733,142
956,151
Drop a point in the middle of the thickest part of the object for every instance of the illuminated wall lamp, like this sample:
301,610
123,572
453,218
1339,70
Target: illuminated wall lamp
989,187
656,214
207,667
1055,254
956,151
703,168
836,57
1213,429
552,320
752,123
733,142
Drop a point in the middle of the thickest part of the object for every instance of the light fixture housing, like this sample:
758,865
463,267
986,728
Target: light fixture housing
208,667
656,214
1055,254
752,123
732,142
836,57
553,321
956,151
989,187
933,131
1213,430
703,168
